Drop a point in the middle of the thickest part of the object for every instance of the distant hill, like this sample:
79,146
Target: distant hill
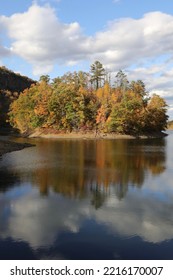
11,84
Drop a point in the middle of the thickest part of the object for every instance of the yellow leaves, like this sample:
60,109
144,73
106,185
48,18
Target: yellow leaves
41,98
39,110
104,93
157,102
107,89
83,91
101,115
100,93
69,107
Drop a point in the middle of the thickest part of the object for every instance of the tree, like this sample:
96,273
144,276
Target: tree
22,112
138,88
97,74
30,110
156,117
121,81
83,79
68,104
66,107
78,79
125,116
45,78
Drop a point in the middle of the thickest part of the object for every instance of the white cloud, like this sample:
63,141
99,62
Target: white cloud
40,38
37,212
127,41
45,219
4,52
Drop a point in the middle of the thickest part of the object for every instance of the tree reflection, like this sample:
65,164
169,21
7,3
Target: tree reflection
93,168
8,180
99,195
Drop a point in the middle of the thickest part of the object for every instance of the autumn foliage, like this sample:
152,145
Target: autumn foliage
11,84
72,103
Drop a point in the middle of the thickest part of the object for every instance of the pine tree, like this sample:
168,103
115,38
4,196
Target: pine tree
97,74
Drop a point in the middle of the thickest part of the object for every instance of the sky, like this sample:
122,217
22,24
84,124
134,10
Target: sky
55,36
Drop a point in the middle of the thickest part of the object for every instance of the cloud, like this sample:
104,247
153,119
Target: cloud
40,38
38,220
46,219
146,222
128,41
4,51
43,224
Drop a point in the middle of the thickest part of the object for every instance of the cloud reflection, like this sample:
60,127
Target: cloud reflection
123,186
39,221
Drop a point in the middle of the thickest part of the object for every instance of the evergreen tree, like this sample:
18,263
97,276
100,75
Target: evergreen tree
97,74
121,80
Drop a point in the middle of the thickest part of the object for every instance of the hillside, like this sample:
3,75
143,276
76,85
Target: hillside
11,84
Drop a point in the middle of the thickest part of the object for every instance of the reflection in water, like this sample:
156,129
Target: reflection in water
88,199
8,180
86,166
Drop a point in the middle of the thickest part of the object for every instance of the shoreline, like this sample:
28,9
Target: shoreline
90,135
9,146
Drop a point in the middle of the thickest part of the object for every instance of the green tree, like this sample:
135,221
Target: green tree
22,112
45,78
121,81
97,74
138,88
78,79
83,79
66,107
30,110
125,116
155,114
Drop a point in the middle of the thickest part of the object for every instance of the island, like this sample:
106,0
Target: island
85,105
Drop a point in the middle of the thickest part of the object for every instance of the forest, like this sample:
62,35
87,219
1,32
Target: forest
89,101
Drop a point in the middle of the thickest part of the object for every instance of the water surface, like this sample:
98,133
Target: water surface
88,199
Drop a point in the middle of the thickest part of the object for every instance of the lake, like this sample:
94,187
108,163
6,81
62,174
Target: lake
88,199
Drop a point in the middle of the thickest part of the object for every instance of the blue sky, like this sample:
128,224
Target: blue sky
55,36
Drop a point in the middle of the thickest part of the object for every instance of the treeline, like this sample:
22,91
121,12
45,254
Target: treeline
11,84
84,102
